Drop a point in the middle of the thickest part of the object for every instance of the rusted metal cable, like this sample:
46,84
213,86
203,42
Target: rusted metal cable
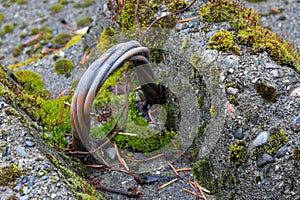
91,82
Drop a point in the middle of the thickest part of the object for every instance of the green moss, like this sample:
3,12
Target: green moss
253,1
55,8
200,102
17,50
84,4
202,173
223,41
63,1
278,139
267,92
61,39
6,4
19,1
245,21
1,43
107,39
237,153
63,66
79,187
85,21
9,174
1,17
177,5
185,43
7,28
32,82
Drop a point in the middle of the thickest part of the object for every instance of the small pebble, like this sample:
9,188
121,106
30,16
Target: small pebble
277,73
45,177
295,92
40,174
264,160
271,66
29,143
5,151
231,60
296,124
210,34
111,153
24,179
25,197
282,151
21,151
17,187
238,133
232,90
31,181
53,196
261,139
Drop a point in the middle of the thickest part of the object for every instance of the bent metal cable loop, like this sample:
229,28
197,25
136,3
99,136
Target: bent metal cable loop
91,82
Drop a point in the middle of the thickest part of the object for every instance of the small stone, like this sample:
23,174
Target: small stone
210,34
295,92
230,70
231,60
238,133
271,66
53,196
25,197
261,139
31,181
277,168
296,124
264,160
29,143
24,133
277,73
40,174
5,151
21,151
17,187
209,56
24,179
111,153
282,151
282,18
255,80
231,90
45,177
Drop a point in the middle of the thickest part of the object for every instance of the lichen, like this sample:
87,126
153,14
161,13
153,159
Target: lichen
63,66
267,92
237,153
278,139
55,8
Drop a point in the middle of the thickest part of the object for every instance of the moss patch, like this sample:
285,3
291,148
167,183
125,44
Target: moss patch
18,50
19,1
107,39
84,4
237,153
9,174
7,28
61,39
245,21
82,22
223,41
1,17
63,66
267,92
55,8
278,139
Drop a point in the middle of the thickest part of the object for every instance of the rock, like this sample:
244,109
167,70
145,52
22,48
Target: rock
296,124
111,153
24,179
21,151
25,197
261,139
231,60
295,92
232,90
29,143
5,151
238,133
209,56
264,160
282,151
271,66
17,187
31,181
277,73
210,34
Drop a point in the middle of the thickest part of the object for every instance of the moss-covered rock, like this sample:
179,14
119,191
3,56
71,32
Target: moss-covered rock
278,139
63,66
9,174
222,41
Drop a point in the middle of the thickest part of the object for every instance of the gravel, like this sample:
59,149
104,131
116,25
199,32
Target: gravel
267,177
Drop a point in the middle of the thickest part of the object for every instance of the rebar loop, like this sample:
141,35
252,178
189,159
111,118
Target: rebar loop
93,79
